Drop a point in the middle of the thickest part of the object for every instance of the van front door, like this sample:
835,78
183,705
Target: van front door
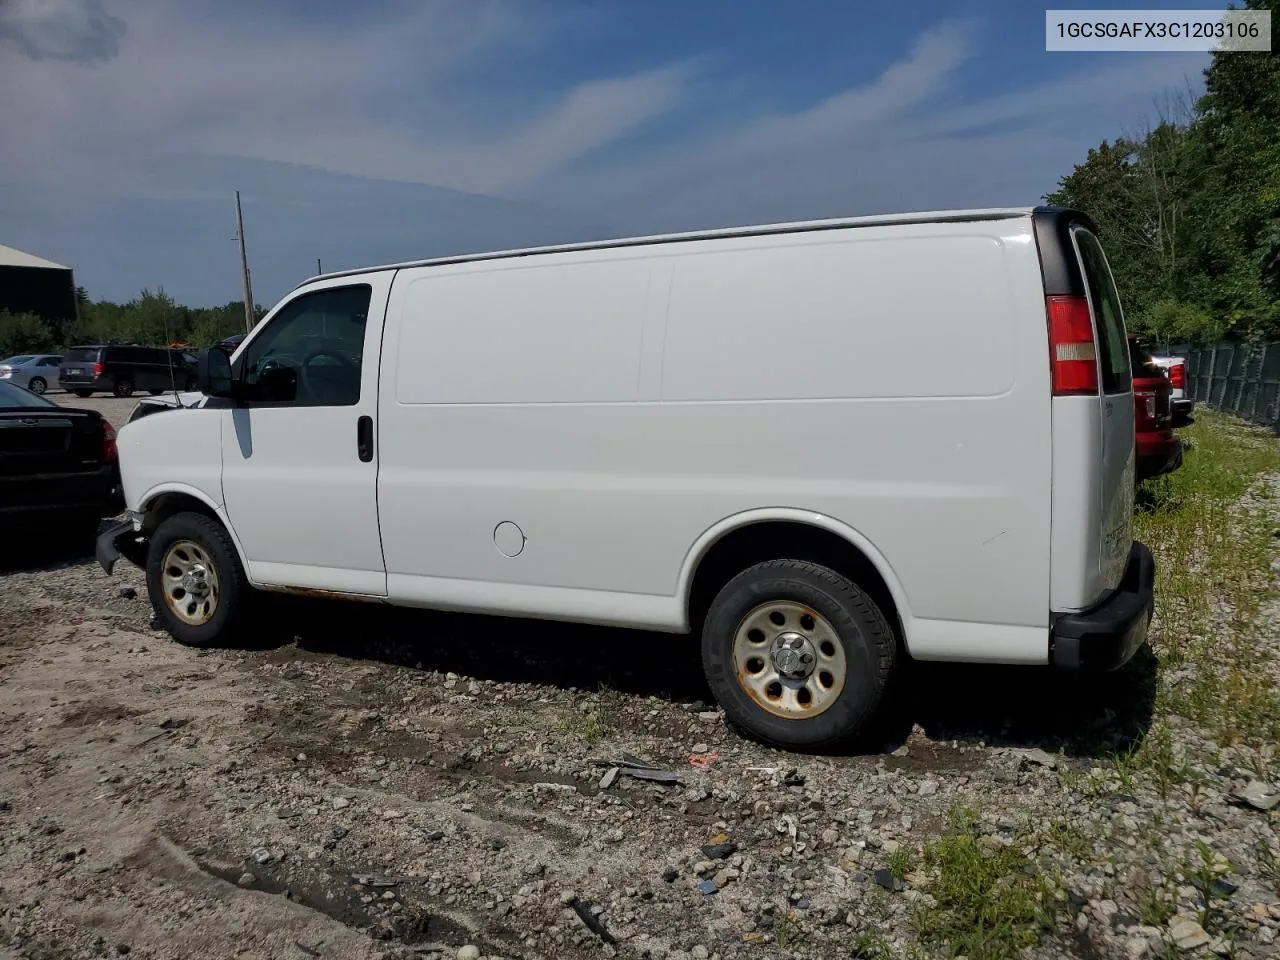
1115,384
299,461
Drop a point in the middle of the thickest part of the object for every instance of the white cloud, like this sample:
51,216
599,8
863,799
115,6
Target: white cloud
907,140
376,99
61,29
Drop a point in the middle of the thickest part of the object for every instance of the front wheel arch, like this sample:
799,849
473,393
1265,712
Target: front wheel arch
158,506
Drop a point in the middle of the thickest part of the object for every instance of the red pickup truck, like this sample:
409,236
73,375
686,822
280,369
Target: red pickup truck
1159,450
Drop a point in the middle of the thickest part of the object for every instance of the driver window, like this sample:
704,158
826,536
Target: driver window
318,339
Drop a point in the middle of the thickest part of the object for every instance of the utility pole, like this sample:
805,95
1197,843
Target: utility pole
318,270
244,270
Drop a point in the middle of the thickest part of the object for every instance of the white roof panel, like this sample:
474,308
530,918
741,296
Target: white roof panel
932,216
10,257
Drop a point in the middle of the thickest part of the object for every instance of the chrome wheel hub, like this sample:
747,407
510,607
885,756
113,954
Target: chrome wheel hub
789,659
190,583
793,655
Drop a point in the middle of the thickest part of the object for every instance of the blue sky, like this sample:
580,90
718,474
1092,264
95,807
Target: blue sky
363,133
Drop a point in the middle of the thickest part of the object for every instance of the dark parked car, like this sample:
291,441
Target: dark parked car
1159,450
122,369
56,463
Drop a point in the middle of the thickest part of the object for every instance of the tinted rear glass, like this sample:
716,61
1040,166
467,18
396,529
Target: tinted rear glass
81,355
11,396
1108,317
1140,360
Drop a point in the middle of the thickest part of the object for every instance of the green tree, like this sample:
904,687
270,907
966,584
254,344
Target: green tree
1190,210
1235,206
24,333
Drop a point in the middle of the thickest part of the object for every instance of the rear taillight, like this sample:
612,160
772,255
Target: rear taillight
1072,354
109,450
1144,405
1178,375
97,369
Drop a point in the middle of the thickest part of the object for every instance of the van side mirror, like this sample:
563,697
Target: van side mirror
213,373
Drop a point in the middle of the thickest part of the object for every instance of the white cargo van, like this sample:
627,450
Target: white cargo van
820,446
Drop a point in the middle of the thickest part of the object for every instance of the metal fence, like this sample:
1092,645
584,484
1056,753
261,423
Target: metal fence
1241,378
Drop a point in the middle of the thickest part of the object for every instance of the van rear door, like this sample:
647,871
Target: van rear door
1115,392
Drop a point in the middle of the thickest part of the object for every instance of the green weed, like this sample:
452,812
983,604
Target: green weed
788,932
869,945
899,863
991,900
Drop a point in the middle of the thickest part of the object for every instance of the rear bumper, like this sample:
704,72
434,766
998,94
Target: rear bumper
1158,460
1106,637
96,384
1182,410
51,493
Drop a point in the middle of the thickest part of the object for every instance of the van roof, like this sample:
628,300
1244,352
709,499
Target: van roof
799,226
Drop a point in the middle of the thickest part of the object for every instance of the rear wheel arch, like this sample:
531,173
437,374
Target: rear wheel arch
739,542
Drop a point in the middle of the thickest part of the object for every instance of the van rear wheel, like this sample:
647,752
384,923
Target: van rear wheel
797,654
197,587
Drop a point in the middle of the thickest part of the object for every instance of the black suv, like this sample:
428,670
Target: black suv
122,369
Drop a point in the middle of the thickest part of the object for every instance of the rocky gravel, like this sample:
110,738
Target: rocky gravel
359,782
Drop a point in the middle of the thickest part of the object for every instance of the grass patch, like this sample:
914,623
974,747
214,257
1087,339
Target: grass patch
869,945
788,933
899,862
1156,906
1212,528
593,719
1070,840
1269,866
992,900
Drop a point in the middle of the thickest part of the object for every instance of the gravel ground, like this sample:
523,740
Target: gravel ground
360,782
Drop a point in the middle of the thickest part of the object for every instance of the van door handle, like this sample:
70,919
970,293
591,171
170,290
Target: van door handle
364,438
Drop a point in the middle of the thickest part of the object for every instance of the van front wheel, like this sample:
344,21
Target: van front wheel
194,579
797,654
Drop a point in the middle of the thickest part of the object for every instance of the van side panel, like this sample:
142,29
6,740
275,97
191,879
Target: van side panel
1077,581
616,404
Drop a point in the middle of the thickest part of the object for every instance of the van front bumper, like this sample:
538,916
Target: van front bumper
122,539
1107,637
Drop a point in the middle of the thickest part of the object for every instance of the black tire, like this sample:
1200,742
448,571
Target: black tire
123,388
37,385
154,392
868,642
234,595
82,394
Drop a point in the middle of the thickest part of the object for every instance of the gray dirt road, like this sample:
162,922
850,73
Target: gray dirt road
367,783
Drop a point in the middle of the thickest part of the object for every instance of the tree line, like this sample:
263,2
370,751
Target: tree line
152,318
1189,209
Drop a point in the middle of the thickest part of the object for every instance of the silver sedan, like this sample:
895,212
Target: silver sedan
36,372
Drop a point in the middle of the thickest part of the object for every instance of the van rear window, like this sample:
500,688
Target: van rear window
81,355
1108,317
